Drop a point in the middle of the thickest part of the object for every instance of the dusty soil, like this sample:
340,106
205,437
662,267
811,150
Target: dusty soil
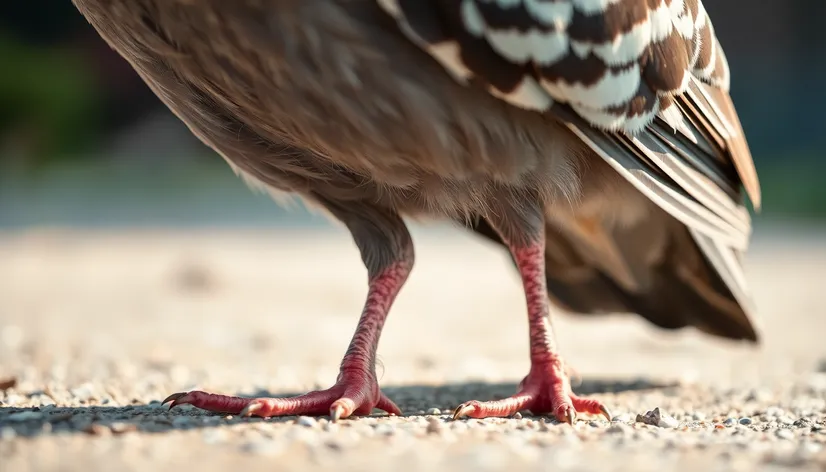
97,327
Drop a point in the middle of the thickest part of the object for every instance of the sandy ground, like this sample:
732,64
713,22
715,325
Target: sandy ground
97,327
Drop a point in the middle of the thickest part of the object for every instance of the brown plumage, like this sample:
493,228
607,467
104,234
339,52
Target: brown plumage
603,151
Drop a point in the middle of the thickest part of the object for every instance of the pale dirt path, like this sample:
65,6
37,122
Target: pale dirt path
96,321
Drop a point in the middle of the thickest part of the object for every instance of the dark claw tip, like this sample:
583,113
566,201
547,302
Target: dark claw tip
570,416
462,411
250,410
605,412
336,412
172,398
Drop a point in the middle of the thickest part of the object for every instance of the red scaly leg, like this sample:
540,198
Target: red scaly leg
546,389
355,392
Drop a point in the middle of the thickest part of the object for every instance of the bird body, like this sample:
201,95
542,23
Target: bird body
595,139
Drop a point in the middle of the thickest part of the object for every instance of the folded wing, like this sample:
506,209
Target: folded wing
644,83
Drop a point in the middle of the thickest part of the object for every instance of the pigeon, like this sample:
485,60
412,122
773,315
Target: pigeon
593,140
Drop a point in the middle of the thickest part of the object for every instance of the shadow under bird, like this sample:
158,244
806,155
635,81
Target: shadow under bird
594,139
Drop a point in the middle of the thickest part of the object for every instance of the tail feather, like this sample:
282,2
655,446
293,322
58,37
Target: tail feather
654,269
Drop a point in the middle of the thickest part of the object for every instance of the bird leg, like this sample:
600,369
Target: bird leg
387,252
547,387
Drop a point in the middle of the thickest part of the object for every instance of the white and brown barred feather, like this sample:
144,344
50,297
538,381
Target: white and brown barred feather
643,82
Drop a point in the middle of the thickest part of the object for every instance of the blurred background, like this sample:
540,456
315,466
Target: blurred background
84,142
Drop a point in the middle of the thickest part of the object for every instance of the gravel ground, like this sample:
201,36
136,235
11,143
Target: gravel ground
97,327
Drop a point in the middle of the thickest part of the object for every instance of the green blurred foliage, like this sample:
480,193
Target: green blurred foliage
49,106
793,186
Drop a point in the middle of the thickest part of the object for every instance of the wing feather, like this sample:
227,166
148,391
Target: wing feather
644,83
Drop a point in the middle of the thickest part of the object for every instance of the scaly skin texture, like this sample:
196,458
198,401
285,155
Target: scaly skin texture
546,389
356,390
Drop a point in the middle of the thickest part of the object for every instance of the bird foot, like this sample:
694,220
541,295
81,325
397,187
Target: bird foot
353,394
545,390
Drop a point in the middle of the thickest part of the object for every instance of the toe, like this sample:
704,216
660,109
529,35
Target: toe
255,407
194,398
563,410
590,406
175,399
207,401
496,408
466,409
341,408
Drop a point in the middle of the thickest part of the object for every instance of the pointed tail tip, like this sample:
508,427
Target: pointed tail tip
755,196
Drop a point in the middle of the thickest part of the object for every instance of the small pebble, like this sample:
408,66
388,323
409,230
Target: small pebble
12,400
774,412
8,383
25,416
433,411
803,423
517,416
43,400
307,421
618,428
304,435
745,421
84,392
729,422
262,447
181,421
784,434
459,426
385,430
59,417
121,428
759,395
214,436
657,418
96,429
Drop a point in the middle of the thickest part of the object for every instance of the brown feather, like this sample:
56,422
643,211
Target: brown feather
673,287
737,147
332,102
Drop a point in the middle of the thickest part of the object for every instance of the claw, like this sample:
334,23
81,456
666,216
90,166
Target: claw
176,399
336,411
462,411
172,397
251,409
570,415
604,411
